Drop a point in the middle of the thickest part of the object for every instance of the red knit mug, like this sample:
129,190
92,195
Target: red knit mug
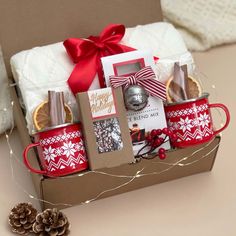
60,149
191,120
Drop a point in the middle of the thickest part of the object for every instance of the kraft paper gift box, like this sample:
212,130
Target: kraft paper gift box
20,32
105,128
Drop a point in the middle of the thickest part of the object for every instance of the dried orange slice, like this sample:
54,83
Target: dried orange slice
41,116
194,88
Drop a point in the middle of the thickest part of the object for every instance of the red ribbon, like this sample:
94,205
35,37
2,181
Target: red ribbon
145,78
87,53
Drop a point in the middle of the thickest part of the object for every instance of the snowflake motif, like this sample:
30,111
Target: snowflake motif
68,149
79,147
204,120
58,151
49,154
195,122
185,124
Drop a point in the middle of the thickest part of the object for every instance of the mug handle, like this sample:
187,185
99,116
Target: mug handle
227,114
26,161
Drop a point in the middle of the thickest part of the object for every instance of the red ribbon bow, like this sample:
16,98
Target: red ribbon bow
145,78
86,54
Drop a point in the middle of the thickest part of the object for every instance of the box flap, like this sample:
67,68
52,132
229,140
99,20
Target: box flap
26,23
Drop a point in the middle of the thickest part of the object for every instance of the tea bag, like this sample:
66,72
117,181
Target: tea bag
178,91
56,108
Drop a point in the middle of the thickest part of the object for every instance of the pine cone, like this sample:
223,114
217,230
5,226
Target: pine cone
51,222
22,217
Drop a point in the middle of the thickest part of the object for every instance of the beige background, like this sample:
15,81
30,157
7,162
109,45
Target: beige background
204,204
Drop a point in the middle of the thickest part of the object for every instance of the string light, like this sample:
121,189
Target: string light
13,155
117,187
186,157
131,178
96,172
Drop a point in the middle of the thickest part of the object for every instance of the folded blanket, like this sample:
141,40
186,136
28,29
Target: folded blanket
48,67
162,38
203,24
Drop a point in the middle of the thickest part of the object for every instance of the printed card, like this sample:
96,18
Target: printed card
101,102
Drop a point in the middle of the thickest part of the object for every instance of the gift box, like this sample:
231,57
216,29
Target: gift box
20,31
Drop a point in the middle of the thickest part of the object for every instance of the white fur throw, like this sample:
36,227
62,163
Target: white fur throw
203,24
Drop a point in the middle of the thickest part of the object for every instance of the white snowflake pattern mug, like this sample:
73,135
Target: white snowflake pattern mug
61,150
191,120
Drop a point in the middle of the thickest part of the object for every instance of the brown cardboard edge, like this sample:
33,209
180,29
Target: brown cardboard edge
213,163
25,140
53,187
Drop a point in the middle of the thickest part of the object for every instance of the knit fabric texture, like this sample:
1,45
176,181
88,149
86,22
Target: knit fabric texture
203,24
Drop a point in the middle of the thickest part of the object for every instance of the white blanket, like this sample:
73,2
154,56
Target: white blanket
47,68
203,24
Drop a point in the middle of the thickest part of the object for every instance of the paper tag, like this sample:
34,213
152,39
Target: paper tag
101,102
